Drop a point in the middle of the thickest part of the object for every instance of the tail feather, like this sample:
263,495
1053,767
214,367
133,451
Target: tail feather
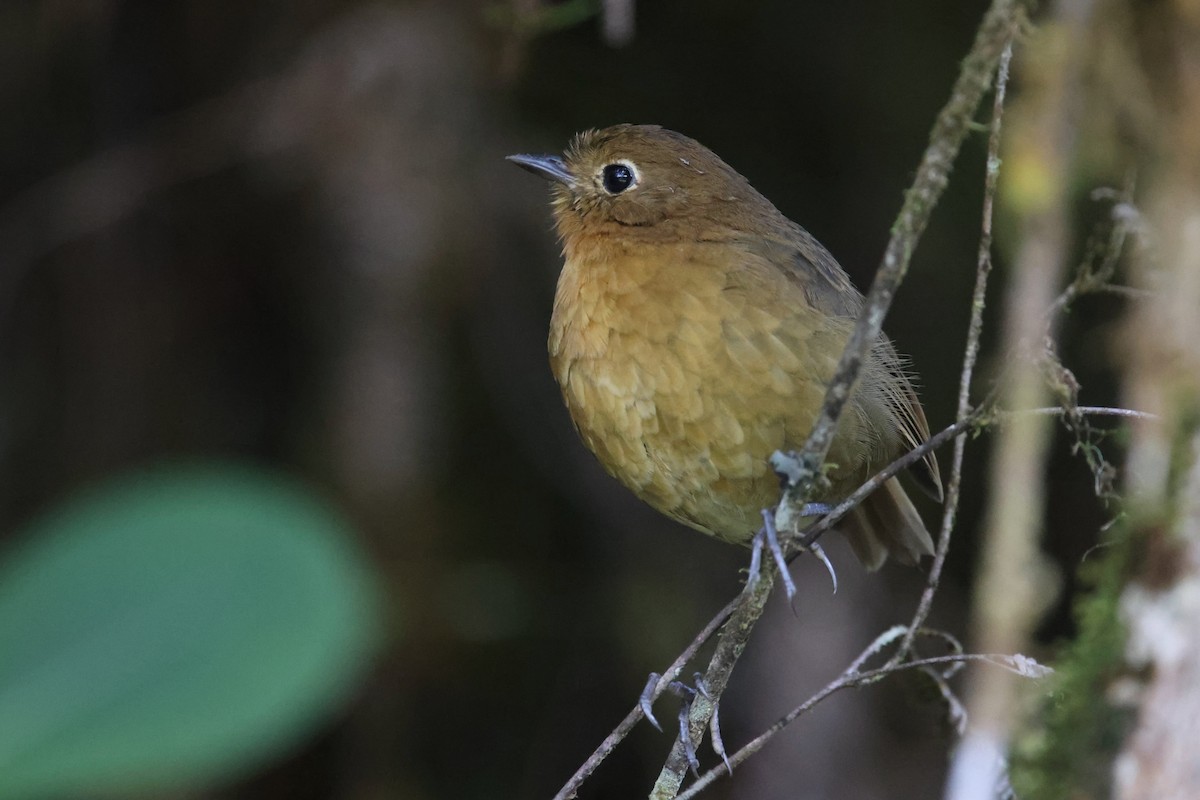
864,539
886,522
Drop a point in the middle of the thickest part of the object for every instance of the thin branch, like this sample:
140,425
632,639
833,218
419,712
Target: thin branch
1095,272
1019,665
983,270
571,787
814,531
749,607
983,416
1090,411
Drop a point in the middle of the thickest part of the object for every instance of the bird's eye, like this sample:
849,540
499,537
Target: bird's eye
618,177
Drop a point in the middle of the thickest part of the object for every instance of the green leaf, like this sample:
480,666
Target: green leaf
174,627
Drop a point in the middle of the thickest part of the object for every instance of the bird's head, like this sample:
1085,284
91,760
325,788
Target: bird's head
644,180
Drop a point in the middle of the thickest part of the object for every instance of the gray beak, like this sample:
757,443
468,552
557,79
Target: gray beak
551,168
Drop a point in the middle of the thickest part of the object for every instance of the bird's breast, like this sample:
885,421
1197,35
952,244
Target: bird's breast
683,377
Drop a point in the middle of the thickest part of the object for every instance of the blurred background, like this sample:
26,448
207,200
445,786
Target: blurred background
285,234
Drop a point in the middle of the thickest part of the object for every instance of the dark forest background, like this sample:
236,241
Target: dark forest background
285,234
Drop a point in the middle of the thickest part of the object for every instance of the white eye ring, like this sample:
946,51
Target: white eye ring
618,176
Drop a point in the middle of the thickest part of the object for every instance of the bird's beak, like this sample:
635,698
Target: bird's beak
551,168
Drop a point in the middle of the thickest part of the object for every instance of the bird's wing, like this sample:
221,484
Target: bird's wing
813,269
828,289
826,284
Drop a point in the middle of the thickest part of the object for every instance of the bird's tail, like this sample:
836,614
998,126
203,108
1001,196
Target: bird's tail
886,522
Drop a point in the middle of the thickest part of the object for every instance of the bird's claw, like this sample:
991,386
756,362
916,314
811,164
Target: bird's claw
687,695
820,510
646,700
819,552
714,725
770,537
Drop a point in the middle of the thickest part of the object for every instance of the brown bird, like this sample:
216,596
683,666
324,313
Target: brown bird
695,330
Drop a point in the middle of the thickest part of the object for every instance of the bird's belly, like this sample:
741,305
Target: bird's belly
685,423
676,449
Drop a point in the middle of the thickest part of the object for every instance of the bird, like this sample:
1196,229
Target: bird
694,332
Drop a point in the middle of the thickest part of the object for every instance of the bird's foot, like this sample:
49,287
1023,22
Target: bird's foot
687,695
768,537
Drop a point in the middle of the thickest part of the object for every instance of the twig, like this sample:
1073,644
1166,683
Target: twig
749,607
1096,277
571,787
815,531
978,418
998,27
1091,411
850,678
1094,273
978,300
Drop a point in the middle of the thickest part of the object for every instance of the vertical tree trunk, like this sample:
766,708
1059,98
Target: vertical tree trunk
1160,758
